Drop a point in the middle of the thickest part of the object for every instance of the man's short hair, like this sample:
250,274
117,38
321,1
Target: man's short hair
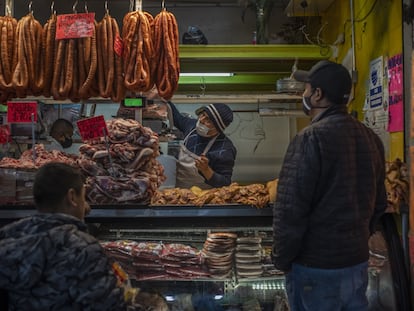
60,125
52,182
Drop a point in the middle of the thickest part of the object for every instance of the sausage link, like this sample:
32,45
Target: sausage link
86,89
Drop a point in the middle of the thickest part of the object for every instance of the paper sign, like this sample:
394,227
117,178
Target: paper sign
396,86
376,83
5,134
92,128
71,26
118,46
21,112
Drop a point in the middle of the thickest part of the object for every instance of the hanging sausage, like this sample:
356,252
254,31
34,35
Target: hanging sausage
166,43
109,72
8,52
138,51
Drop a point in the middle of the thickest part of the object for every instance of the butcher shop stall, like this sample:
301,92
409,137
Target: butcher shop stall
93,62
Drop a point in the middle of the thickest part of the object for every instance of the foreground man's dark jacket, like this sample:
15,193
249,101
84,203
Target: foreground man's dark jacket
50,262
330,193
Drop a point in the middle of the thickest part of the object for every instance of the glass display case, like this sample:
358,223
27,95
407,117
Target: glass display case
187,287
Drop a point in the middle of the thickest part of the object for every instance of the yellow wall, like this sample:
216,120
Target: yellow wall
379,34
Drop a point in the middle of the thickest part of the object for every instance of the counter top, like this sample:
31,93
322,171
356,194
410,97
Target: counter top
170,216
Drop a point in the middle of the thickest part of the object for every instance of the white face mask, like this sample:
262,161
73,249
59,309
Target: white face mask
306,105
202,130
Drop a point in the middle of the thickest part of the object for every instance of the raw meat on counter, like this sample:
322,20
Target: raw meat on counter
42,156
397,185
151,260
124,170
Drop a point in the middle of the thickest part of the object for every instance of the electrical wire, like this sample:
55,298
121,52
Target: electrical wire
362,18
318,36
368,13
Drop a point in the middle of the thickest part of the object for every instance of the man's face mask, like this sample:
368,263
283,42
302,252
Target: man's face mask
202,130
306,104
67,142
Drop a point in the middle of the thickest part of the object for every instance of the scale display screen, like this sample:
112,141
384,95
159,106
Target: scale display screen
137,102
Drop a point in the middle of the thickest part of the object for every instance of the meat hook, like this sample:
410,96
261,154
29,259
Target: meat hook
74,7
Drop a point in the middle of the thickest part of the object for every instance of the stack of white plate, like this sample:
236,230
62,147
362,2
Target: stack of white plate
249,257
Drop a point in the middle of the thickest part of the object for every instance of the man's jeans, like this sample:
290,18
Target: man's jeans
312,289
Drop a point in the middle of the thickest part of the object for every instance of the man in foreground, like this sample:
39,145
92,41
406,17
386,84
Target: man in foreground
49,261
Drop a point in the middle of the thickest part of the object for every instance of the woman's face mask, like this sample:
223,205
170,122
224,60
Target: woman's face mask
202,129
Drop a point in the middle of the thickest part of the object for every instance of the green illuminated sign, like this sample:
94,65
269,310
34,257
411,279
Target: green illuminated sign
134,102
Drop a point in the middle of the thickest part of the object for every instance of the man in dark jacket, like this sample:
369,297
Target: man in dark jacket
330,194
207,155
49,261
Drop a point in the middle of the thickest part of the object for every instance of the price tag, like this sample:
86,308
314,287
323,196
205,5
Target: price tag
92,128
21,112
118,46
5,134
69,26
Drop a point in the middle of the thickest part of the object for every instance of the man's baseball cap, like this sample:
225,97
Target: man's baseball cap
333,79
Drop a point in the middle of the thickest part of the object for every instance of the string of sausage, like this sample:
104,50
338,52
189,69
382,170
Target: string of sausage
8,56
166,43
75,64
88,63
34,62
105,56
28,75
109,53
138,51
20,78
118,87
48,47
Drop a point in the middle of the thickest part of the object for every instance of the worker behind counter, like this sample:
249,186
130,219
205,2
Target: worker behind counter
207,156
61,133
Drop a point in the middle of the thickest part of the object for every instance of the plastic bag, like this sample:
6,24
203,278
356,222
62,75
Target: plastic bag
194,36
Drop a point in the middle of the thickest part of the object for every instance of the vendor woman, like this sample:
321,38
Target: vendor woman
207,155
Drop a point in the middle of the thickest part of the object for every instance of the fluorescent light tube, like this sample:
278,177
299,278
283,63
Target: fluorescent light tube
206,74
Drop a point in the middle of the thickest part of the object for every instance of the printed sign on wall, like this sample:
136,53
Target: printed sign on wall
376,83
395,88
